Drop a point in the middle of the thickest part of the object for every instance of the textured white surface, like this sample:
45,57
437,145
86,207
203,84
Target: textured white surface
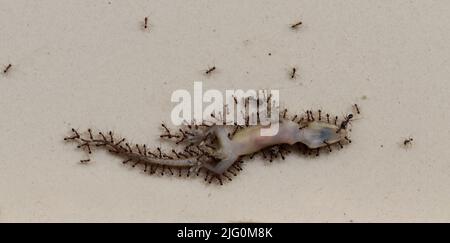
89,64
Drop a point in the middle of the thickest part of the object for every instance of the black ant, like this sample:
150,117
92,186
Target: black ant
210,70
7,68
345,122
294,26
145,22
294,71
408,142
357,109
